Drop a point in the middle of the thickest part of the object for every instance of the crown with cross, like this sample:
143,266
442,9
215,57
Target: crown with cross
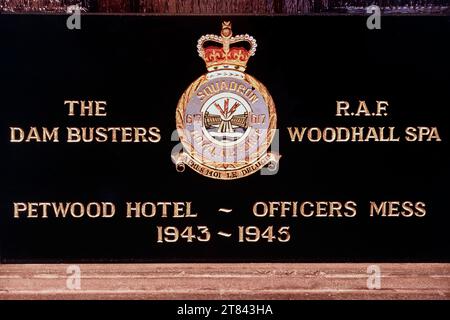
226,51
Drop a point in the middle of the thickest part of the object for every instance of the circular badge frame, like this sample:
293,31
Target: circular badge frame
219,170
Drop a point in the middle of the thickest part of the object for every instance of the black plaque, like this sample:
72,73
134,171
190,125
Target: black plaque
141,66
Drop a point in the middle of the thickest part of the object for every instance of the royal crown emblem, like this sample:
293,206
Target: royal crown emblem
224,56
226,119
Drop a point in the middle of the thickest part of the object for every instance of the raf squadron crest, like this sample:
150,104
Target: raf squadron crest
226,119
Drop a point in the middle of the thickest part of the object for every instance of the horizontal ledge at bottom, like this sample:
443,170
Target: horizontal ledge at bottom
226,281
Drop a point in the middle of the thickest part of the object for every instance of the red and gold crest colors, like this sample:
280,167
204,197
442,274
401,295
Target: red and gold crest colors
226,119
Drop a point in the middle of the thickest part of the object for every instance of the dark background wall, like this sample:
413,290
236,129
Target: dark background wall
214,6
262,6
291,7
